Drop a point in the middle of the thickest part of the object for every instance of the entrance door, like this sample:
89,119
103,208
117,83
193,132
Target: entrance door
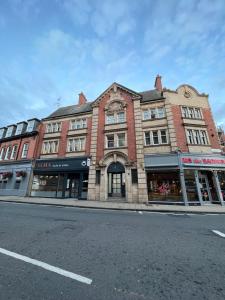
205,189
116,185
74,186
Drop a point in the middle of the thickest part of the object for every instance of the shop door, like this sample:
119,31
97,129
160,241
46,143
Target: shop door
205,188
74,187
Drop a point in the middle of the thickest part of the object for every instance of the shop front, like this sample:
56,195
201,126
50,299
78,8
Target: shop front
61,178
189,179
14,178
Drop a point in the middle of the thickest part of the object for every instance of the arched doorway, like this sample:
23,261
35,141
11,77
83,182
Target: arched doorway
116,180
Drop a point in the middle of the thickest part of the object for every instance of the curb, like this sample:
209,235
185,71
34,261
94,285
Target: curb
118,208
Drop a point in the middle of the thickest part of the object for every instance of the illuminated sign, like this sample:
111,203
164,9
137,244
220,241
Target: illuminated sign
203,161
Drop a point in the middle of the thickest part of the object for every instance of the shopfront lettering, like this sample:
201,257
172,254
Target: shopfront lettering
205,161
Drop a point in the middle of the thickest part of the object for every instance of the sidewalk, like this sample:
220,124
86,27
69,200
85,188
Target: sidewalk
213,208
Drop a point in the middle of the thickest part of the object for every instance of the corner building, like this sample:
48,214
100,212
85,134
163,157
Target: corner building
157,146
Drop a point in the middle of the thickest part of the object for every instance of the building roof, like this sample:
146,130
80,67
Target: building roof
70,110
151,95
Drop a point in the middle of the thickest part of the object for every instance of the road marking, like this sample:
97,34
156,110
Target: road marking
47,266
140,212
219,233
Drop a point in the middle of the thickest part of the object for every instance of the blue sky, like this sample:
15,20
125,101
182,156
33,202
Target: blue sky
56,48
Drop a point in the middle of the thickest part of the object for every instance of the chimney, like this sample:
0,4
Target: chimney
158,83
82,99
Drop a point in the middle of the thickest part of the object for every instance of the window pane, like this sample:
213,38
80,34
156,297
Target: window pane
110,141
155,137
121,139
110,119
146,115
121,117
163,136
147,138
161,112
153,113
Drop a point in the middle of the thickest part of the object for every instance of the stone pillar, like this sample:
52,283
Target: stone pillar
92,168
171,128
142,182
217,186
198,187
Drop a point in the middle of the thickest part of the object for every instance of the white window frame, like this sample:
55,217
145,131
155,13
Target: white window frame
25,150
2,153
190,112
9,131
197,135
14,152
153,113
76,144
159,137
53,127
8,152
116,140
30,126
80,123
115,117
50,147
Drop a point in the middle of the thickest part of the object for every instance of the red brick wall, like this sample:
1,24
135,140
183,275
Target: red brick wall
211,128
88,137
179,128
131,141
63,138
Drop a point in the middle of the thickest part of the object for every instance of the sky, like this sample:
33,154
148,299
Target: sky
51,50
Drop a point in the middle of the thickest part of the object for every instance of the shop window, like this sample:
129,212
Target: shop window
190,184
25,150
76,144
47,186
154,113
98,177
134,176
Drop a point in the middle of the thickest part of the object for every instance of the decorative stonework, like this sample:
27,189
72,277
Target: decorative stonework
115,106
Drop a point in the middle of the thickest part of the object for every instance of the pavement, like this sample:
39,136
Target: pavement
127,255
210,208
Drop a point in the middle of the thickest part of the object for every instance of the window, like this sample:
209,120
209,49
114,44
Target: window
117,117
14,151
78,124
8,153
53,127
156,137
154,113
197,137
25,150
19,129
2,153
76,144
50,147
30,126
98,177
110,141
134,176
116,140
191,112
9,131
2,132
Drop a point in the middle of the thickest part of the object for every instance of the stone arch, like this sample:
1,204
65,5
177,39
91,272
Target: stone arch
114,156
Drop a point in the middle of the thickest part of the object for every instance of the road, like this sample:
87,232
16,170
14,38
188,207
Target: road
127,255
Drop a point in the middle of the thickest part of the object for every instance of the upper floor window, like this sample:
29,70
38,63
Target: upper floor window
50,147
53,127
30,126
14,151
19,128
197,137
156,137
2,132
116,140
154,113
76,144
78,124
25,150
8,153
191,112
2,153
115,117
9,131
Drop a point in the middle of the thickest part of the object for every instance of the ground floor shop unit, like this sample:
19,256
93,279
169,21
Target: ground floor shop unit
183,178
61,178
15,178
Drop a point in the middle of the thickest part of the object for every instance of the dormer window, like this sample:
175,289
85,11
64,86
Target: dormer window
19,128
9,131
2,133
30,126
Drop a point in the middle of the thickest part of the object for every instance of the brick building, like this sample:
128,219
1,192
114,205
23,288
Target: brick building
17,152
158,145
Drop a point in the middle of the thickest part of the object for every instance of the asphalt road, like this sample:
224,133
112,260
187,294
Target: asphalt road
128,255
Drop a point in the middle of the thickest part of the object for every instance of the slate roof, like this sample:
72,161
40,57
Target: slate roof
70,110
151,95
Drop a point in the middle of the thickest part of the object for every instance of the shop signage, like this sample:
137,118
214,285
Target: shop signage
203,161
70,164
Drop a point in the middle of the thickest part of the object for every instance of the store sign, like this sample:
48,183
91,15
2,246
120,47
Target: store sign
74,164
203,161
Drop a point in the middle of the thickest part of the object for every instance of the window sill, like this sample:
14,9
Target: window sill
202,145
116,123
113,148
158,145
155,119
78,151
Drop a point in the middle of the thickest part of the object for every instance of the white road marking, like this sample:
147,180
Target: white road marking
140,212
219,233
47,266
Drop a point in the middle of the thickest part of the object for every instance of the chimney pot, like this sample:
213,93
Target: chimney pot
158,83
82,99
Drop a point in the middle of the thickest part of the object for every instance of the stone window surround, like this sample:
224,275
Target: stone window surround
199,130
115,134
159,137
76,138
182,107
